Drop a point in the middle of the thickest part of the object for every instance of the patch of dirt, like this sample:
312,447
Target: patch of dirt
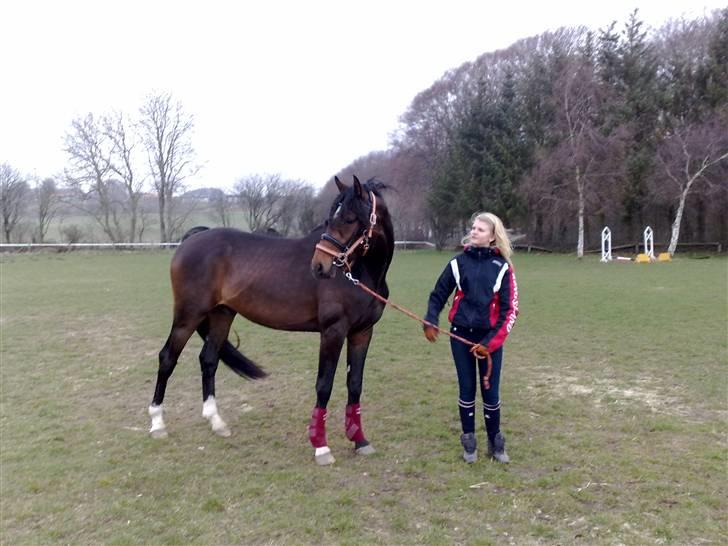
645,391
650,396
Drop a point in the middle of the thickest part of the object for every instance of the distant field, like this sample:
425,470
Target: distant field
614,407
92,232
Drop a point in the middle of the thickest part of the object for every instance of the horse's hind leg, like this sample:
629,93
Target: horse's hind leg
356,353
218,324
168,356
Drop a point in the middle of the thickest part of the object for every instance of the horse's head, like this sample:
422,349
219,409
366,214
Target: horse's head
349,229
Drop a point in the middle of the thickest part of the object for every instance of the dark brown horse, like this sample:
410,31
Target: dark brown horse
287,284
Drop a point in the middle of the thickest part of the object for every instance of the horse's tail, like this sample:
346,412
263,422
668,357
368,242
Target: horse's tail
192,231
233,358
239,363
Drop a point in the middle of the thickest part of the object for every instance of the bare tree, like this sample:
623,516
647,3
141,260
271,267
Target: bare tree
179,209
166,132
427,126
46,195
72,233
577,107
13,193
270,202
260,196
690,155
408,203
574,177
306,212
221,208
123,164
89,150
403,172
296,206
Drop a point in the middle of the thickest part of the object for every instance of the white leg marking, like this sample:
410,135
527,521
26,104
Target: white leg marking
209,412
159,429
323,456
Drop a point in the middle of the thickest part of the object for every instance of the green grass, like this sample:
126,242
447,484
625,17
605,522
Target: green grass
614,406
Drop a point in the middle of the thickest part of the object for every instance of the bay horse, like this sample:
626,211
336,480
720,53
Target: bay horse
286,284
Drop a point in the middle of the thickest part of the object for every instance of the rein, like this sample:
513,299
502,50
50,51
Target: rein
486,377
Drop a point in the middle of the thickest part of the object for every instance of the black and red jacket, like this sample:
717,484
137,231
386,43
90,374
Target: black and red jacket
486,296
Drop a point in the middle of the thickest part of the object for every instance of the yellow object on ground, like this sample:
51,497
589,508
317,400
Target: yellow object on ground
664,257
642,259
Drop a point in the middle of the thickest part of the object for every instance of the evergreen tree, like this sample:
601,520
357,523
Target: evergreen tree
716,69
444,205
493,152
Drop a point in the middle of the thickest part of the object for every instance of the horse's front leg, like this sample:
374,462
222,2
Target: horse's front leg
356,354
332,340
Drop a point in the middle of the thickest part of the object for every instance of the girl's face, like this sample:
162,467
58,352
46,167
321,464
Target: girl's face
481,234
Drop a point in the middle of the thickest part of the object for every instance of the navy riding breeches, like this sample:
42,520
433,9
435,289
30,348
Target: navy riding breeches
469,374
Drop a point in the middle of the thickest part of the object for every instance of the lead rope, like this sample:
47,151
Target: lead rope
486,378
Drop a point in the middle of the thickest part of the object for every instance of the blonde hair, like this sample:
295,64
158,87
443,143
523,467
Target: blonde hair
502,241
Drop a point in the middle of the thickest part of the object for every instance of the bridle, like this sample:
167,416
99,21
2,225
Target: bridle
341,258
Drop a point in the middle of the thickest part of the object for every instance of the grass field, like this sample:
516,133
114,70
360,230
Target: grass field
615,398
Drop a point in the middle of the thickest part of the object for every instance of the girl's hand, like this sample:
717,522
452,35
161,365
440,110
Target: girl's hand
479,351
431,333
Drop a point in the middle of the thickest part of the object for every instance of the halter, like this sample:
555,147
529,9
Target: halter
341,258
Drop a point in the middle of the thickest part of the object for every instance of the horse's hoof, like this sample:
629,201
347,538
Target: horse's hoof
158,433
223,431
323,456
325,459
365,450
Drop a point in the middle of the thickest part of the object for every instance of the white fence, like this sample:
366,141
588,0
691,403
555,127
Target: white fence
128,246
69,246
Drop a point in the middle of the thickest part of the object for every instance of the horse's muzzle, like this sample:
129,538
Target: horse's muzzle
322,266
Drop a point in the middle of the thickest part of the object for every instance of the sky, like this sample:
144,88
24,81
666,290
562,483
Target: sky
287,87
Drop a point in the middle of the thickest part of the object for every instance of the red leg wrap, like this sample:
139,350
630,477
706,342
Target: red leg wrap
352,423
317,428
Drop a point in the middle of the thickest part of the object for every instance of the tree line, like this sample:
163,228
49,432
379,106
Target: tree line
569,131
559,134
127,174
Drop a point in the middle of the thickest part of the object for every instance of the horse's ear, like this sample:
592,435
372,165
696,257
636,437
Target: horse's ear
357,187
339,184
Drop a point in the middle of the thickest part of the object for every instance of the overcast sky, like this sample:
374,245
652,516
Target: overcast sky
300,88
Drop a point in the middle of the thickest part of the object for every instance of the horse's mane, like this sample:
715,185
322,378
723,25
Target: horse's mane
376,186
351,202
